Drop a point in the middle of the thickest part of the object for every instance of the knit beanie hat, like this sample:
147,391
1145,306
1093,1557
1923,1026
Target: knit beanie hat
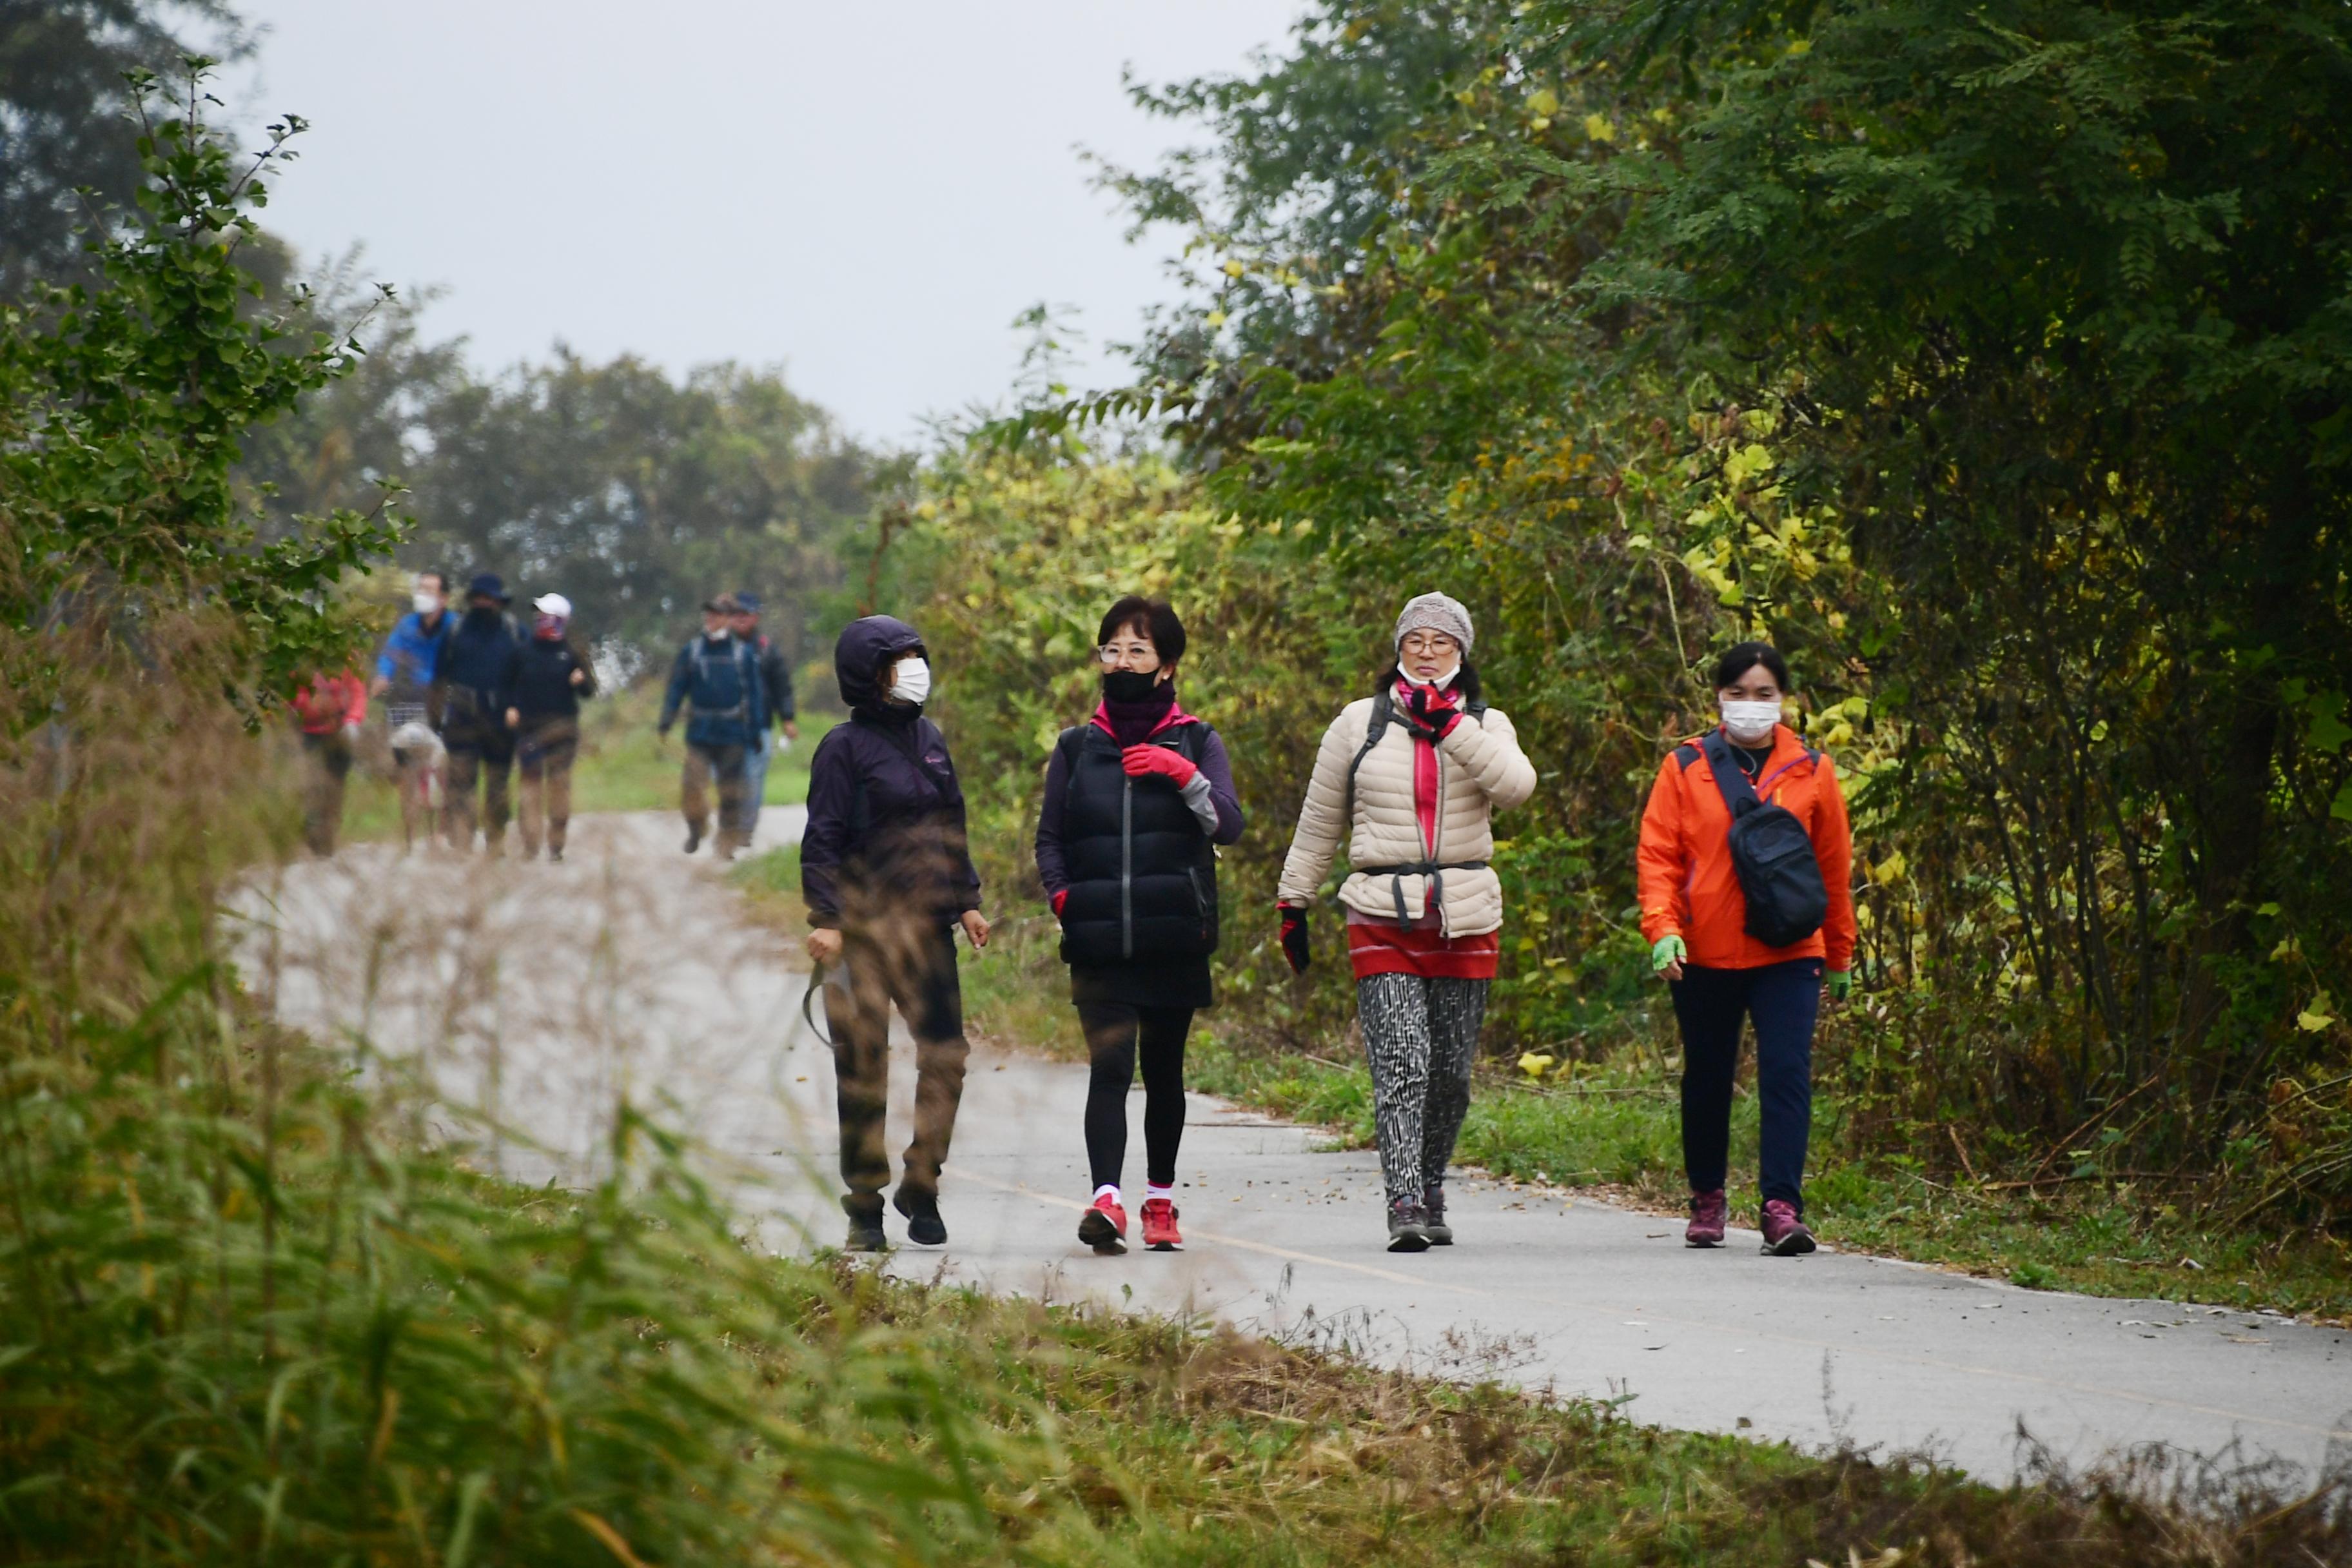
1435,613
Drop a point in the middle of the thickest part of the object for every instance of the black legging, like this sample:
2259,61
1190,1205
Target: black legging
1115,1033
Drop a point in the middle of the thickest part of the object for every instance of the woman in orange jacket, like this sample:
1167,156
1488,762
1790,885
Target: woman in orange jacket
1697,919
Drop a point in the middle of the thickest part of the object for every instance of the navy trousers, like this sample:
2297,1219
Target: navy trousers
1784,1000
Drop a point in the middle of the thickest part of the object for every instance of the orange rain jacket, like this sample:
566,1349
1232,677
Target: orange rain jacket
1687,884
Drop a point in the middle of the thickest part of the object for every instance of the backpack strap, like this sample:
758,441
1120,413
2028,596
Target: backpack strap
1685,754
1740,796
1376,727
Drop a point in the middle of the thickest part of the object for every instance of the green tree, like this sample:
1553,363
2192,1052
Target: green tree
2051,301
62,128
123,409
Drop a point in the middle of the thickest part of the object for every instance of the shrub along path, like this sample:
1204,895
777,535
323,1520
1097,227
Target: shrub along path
544,991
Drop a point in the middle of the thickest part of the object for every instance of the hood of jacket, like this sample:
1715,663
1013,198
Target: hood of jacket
866,647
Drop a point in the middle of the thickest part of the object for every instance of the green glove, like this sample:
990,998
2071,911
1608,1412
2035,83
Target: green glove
1839,984
1667,950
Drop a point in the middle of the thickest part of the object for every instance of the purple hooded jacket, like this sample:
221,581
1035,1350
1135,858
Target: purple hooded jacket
886,836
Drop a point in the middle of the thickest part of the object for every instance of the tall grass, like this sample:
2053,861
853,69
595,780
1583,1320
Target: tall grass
244,1322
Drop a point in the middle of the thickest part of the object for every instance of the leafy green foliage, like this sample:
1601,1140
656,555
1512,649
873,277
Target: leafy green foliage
65,147
123,407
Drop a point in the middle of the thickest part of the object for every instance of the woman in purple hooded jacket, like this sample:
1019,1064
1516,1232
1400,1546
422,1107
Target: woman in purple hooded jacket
887,879
1136,801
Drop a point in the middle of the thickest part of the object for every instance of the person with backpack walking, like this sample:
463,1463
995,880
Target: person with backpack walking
889,880
776,683
1746,866
473,713
1136,801
545,679
408,681
1410,777
718,674
330,710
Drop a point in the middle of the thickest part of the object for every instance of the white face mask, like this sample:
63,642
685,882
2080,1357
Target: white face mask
1439,682
911,682
425,603
1749,723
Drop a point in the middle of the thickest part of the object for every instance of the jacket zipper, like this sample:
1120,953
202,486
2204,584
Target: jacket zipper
1127,869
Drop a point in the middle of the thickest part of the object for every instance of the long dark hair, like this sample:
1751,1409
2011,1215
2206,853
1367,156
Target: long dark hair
1467,683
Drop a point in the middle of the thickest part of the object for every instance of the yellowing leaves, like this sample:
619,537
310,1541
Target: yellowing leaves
1599,128
1535,1064
1543,102
2319,1015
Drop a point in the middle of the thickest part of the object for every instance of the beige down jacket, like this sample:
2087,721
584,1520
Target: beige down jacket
1480,770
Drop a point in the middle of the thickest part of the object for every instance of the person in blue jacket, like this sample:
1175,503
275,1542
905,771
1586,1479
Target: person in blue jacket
473,674
718,674
888,879
408,684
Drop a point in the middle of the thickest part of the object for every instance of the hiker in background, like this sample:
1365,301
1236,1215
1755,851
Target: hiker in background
718,674
776,685
1136,801
329,708
888,878
1763,951
408,681
1411,776
545,679
473,713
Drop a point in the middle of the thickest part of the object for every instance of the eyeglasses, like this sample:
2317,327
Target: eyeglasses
1111,652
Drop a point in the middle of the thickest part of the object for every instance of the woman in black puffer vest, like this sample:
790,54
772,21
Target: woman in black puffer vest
1135,801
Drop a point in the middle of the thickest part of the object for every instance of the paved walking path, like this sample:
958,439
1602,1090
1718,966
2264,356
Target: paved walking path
547,991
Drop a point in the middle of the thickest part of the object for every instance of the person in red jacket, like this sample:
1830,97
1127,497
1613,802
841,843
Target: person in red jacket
329,708
1695,917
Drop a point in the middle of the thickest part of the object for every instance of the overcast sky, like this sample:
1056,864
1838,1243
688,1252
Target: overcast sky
866,193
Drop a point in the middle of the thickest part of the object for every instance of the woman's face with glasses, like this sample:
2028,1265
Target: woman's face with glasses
1426,654
1129,649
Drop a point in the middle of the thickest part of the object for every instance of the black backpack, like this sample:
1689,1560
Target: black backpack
1771,853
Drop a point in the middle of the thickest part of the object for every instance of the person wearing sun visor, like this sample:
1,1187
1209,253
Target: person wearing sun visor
889,880
1745,865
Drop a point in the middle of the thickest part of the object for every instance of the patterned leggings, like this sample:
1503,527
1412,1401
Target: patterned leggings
1421,1037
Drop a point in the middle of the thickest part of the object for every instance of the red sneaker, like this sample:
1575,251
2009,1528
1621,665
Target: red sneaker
1785,1235
1160,1227
1103,1226
1708,1212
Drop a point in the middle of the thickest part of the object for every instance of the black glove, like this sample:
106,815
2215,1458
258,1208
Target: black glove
1294,937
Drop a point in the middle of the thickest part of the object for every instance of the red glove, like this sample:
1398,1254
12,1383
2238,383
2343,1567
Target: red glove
1294,937
1140,762
1061,896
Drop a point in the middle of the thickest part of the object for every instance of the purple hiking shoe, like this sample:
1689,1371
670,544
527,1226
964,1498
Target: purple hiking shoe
1785,1235
1708,1213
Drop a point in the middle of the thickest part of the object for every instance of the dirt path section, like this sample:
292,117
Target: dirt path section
546,994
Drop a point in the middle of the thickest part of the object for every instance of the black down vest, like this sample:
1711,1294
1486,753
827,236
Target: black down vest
1143,876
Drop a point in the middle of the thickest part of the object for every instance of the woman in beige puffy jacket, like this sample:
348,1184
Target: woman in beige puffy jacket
1411,776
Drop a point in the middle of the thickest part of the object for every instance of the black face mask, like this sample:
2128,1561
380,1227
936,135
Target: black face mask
482,615
1130,685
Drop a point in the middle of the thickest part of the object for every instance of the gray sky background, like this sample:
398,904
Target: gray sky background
864,193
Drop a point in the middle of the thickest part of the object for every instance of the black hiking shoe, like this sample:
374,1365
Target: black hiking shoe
1408,1225
693,838
1432,1214
864,1211
924,1226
